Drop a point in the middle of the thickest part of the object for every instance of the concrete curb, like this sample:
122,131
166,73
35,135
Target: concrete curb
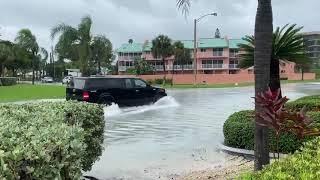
244,152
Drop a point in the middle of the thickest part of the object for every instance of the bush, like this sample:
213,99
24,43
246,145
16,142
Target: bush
304,164
149,81
8,81
160,81
312,103
49,140
238,132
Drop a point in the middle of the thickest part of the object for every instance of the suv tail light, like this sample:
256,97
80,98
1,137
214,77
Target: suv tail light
85,95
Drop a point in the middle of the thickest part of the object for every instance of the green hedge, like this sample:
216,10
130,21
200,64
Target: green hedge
238,132
304,164
312,103
49,140
160,81
238,129
8,81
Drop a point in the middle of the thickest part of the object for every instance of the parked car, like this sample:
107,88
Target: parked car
66,80
124,91
47,80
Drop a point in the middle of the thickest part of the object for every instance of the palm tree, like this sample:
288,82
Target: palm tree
101,51
262,56
287,44
26,40
5,52
162,47
74,43
181,54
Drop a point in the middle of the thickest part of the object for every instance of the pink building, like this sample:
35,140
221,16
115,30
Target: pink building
214,56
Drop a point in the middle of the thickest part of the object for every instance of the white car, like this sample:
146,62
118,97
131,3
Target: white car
66,80
47,80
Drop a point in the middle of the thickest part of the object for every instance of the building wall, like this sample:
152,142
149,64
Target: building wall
220,78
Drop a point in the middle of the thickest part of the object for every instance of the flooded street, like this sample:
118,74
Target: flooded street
179,133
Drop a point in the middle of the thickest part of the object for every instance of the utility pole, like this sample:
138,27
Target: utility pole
195,45
195,53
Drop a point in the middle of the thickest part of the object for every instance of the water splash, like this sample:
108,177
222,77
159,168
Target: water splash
162,103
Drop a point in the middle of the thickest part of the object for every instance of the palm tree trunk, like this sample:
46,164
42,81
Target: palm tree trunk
164,71
275,75
262,57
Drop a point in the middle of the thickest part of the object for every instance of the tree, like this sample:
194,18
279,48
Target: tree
217,33
181,54
78,45
141,66
74,44
162,47
130,41
262,56
26,40
101,52
287,44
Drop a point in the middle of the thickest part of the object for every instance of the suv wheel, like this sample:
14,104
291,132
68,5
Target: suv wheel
107,100
157,97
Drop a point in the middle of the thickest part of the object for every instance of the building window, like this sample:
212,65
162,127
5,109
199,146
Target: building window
203,50
208,64
234,61
217,51
233,52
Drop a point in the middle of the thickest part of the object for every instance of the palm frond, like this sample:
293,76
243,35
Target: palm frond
184,6
44,53
61,28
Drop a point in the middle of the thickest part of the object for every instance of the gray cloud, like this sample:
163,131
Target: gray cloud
120,20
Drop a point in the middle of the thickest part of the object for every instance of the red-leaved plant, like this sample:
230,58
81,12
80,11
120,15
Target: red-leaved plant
274,115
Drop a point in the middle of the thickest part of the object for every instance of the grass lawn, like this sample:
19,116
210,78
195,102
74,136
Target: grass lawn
22,92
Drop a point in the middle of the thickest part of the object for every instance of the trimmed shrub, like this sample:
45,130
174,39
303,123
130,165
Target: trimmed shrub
36,145
238,132
312,103
160,81
304,164
149,81
8,81
71,137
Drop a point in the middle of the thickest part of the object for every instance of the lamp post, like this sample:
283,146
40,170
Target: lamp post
195,45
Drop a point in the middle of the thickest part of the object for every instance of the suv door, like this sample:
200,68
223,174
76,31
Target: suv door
143,91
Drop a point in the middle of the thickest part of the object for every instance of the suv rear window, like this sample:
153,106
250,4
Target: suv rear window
78,83
104,83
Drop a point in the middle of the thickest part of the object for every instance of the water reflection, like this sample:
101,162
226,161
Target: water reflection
177,134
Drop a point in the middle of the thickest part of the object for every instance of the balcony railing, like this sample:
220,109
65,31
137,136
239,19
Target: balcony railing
233,66
214,66
180,67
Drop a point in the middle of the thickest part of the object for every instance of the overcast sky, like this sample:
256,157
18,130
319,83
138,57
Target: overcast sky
140,20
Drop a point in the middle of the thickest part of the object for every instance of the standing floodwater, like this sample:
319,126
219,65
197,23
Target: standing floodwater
179,133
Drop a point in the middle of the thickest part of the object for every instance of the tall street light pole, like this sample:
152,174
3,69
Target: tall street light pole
195,45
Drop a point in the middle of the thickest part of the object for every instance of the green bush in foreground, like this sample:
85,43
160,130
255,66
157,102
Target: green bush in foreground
8,81
49,140
304,164
238,132
239,127
312,103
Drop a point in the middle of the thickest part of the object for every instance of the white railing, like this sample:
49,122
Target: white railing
233,66
180,67
214,66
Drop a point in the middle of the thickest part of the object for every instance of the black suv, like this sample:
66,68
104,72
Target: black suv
124,91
